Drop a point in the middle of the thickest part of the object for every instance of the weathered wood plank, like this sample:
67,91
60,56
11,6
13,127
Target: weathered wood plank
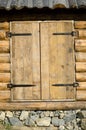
82,86
4,25
3,86
81,77
80,57
43,105
80,45
4,95
4,47
81,95
80,24
82,33
5,67
3,35
4,77
4,58
80,66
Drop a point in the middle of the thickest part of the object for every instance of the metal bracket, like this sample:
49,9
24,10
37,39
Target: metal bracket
20,85
10,34
73,33
73,84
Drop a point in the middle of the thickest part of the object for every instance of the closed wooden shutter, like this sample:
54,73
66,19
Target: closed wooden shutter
57,61
25,61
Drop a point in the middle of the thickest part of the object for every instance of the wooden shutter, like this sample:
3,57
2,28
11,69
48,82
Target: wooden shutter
57,60
25,61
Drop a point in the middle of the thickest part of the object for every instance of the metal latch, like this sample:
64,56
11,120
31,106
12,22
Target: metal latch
75,84
10,34
20,85
73,33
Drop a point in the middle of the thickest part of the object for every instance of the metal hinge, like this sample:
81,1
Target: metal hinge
73,84
20,85
73,33
10,34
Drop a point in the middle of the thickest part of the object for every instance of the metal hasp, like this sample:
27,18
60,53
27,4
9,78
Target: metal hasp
20,85
73,84
73,33
10,34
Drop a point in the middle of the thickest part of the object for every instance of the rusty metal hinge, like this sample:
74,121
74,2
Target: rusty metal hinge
10,34
73,33
75,84
20,85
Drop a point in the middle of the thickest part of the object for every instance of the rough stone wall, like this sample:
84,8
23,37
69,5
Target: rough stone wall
60,120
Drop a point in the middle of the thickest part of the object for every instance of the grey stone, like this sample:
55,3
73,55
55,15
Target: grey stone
2,116
47,113
29,122
83,124
61,115
69,117
6,121
15,121
56,113
34,117
84,113
9,114
51,114
79,115
24,115
57,122
45,121
61,128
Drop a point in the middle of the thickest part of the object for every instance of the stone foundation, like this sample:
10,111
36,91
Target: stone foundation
50,120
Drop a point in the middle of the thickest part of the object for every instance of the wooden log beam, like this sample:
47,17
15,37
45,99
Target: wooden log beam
3,35
80,66
4,25
80,45
3,86
4,96
43,105
81,95
82,33
81,77
4,67
82,86
80,24
5,77
80,57
4,58
4,47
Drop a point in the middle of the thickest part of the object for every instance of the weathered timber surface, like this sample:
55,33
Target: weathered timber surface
80,45
82,86
4,95
4,67
80,57
82,33
80,66
80,24
3,35
81,77
4,46
5,58
81,95
4,26
4,77
3,86
43,105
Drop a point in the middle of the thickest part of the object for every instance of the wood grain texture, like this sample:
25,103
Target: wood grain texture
4,47
82,33
3,86
5,77
4,96
5,58
80,45
4,26
4,67
80,24
81,95
82,86
81,77
80,57
80,66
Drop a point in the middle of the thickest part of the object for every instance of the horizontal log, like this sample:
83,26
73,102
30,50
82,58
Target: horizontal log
82,33
80,45
43,105
5,95
81,77
5,77
4,25
80,57
80,66
3,86
4,67
81,95
4,47
80,24
4,58
82,86
3,35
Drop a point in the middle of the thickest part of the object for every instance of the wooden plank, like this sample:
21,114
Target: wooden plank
80,24
4,25
80,66
4,67
81,95
4,77
43,105
4,58
4,96
4,47
3,86
82,33
80,45
3,35
25,65
81,77
80,57
82,86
